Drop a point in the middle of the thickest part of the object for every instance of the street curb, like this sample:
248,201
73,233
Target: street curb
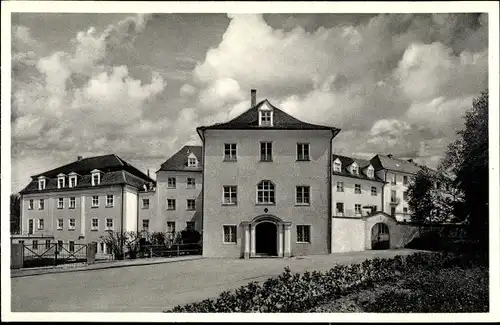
91,268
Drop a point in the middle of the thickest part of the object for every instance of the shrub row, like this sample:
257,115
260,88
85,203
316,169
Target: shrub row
299,293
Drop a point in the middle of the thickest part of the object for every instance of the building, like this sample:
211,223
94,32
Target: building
266,185
80,201
179,184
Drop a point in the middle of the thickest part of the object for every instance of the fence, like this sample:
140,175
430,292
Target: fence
171,250
45,254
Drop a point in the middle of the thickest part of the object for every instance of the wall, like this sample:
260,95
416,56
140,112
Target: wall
150,213
400,234
130,216
284,171
399,187
348,235
350,198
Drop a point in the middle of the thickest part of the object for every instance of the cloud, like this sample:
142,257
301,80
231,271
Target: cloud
187,90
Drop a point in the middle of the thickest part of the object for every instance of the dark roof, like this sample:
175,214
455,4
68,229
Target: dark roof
179,161
395,164
115,171
281,120
362,164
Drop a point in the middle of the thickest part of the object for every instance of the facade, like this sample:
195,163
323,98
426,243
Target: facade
266,189
179,184
80,201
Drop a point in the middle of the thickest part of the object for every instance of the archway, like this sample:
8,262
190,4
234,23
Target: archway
266,239
380,236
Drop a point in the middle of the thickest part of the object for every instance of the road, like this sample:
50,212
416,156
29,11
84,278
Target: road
155,288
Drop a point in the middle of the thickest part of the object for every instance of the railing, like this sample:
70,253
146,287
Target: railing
53,254
394,201
172,250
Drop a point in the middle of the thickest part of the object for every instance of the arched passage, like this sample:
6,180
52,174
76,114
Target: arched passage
266,238
380,236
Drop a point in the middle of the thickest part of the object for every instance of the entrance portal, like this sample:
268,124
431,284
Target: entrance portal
266,239
380,236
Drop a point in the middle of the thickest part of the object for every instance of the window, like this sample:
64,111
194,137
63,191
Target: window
95,201
340,208
110,200
303,234
170,204
30,205
265,193
60,203
405,210
369,172
41,184
101,247
35,244
71,246
109,223
60,224
72,224
302,195
191,182
190,225
405,180
171,229
60,244
374,191
393,180
230,151
405,195
393,211
265,118
72,181
72,202
47,244
230,195
192,162
145,224
357,209
171,182
145,203
41,204
355,169
41,224
95,224
191,204
60,182
266,151
303,151
357,188
21,242
340,186
393,196
229,234
337,166
96,177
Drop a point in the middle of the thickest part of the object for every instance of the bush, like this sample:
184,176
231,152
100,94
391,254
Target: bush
299,293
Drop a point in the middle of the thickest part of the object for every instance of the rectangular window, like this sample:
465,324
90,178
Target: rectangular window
145,224
95,201
30,205
171,182
170,204
374,191
101,247
41,224
265,118
230,195
60,244
72,202
230,151
405,210
191,182
191,204
265,193
340,208
72,224
35,244
405,195
109,223
302,195
266,151
357,188
72,181
95,224
405,180
393,180
60,182
95,179
41,184
170,229
190,225
340,186
192,162
393,211
41,204
60,203
47,244
303,151
60,224
303,234
357,209
230,234
71,246
337,167
110,200
393,196
145,203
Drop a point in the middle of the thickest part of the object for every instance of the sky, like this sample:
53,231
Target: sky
138,85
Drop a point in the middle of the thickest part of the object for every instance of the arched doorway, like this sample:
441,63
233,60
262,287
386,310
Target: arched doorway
266,239
380,236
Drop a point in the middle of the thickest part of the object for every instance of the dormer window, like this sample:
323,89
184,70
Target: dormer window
96,177
61,180
73,178
192,161
265,115
370,172
355,169
41,183
337,166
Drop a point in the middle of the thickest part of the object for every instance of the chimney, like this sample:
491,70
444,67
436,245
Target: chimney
253,97
79,158
148,172
410,160
389,155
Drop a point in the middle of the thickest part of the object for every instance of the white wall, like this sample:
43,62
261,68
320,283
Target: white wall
130,213
348,235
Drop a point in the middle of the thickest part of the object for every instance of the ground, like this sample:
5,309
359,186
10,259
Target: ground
155,288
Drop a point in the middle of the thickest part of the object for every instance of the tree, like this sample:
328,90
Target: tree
15,213
420,198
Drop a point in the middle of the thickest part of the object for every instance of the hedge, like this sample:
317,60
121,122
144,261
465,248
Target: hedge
291,293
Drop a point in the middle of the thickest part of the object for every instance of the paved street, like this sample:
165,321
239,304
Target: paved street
154,288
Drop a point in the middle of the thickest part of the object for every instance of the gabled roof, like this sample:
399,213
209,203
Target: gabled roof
362,164
179,161
281,120
394,164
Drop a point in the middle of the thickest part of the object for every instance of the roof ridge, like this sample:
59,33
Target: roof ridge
120,160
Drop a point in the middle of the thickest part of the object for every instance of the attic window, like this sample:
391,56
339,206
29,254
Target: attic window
96,177
354,169
369,172
337,166
61,180
72,181
41,183
192,162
